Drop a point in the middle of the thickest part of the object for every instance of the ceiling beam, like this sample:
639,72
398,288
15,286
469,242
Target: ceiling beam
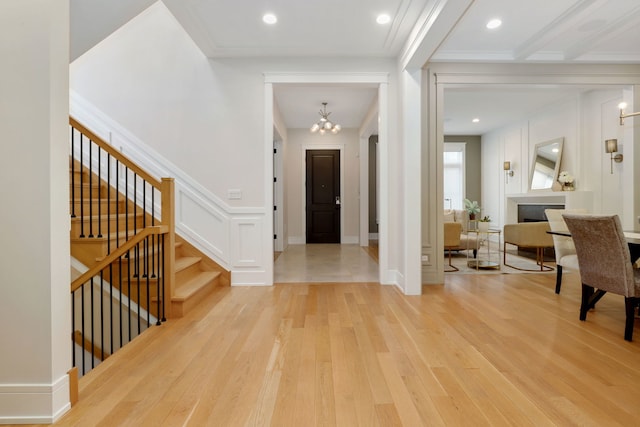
555,28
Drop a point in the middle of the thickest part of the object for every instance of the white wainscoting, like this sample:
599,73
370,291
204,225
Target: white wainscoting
232,237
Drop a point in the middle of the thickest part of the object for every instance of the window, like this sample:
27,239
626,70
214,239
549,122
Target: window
454,176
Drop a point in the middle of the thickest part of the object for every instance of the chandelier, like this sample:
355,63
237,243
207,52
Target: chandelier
324,124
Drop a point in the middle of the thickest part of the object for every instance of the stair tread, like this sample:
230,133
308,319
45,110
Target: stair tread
190,287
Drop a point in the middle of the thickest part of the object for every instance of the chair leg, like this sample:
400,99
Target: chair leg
453,267
539,261
587,293
629,304
558,278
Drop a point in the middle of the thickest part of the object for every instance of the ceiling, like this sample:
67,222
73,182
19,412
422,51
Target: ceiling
553,31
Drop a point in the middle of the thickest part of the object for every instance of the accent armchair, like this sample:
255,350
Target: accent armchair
605,263
452,232
528,235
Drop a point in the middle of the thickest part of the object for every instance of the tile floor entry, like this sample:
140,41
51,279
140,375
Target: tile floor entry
322,262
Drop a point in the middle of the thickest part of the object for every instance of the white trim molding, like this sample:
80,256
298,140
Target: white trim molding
34,403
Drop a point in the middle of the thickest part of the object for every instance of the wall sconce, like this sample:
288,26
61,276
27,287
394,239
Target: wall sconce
611,146
507,171
623,116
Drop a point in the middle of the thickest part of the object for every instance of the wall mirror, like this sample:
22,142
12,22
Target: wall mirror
546,164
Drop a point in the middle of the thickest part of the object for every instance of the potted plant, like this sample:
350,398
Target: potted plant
483,223
472,208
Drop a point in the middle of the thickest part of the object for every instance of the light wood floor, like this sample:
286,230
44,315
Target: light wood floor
480,350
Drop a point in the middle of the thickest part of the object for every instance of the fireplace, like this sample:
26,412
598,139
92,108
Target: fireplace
534,212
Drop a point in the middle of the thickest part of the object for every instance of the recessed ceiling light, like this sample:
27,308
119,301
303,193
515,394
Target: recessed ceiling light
494,23
383,19
476,120
269,18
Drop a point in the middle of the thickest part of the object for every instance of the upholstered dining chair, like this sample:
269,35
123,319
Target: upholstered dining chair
563,246
452,231
605,263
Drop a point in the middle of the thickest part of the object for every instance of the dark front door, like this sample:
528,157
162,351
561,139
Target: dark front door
323,196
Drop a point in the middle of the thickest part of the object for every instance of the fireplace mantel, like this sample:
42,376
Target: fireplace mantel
570,200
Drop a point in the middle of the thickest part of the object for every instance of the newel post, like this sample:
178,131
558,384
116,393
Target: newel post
169,219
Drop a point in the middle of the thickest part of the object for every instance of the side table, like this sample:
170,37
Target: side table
485,259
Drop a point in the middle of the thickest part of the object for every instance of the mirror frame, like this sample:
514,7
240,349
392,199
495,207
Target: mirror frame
538,148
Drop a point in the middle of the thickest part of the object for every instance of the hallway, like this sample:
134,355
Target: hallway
325,263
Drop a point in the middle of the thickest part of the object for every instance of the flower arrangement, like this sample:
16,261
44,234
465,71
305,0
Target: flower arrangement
472,208
566,179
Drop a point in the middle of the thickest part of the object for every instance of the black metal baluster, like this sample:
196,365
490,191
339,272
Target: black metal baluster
153,236
160,277
84,370
90,192
73,328
129,294
120,302
73,175
117,204
81,186
164,319
148,282
111,308
100,194
136,253
102,314
139,300
93,332
126,206
144,225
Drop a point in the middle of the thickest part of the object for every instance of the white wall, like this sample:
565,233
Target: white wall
35,310
207,116
584,122
300,140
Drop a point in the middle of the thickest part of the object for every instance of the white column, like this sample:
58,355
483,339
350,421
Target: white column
412,114
35,337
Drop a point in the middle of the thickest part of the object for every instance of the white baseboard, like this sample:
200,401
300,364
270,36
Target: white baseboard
34,403
297,240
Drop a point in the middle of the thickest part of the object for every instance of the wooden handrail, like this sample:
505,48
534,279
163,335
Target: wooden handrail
115,153
117,253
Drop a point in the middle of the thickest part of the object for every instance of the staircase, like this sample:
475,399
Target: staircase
105,217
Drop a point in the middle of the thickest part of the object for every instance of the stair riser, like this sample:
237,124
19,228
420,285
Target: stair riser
187,273
180,308
105,207
94,191
125,266
87,251
104,225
